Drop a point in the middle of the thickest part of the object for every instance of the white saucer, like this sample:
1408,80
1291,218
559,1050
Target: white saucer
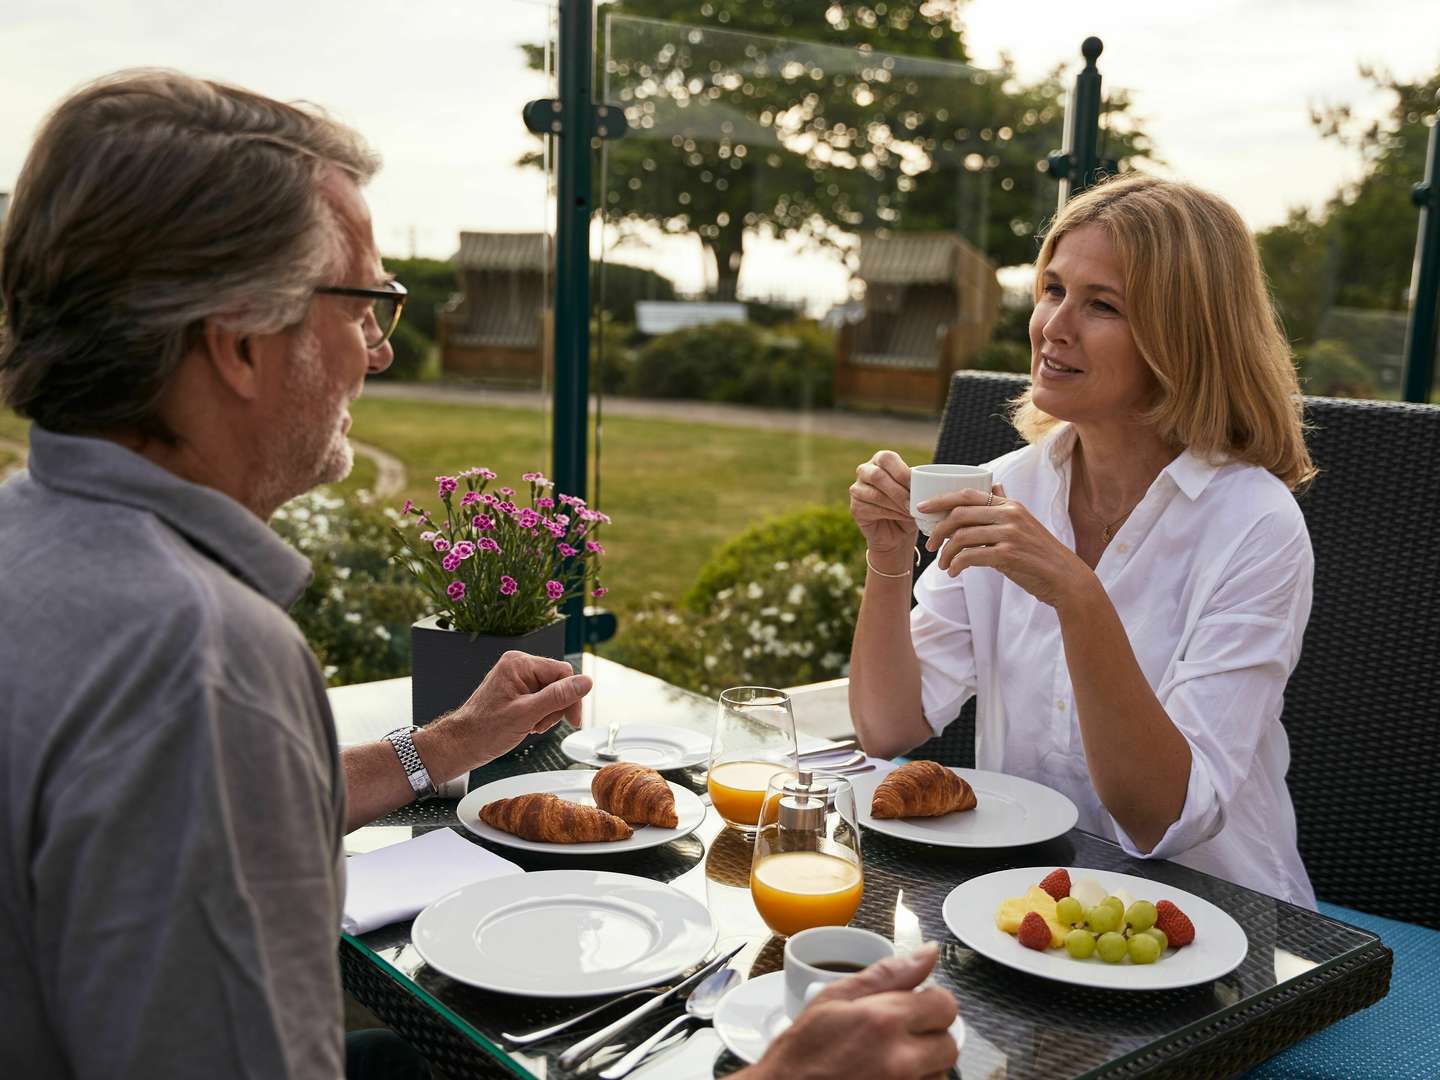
564,933
654,745
573,785
751,1016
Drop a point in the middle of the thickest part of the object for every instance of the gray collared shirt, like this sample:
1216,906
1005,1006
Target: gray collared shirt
171,800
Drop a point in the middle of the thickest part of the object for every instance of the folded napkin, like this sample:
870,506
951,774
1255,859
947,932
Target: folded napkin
400,881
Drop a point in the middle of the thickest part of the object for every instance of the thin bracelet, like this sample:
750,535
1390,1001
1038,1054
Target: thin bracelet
882,573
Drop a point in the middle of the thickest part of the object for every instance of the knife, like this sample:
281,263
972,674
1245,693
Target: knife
585,1047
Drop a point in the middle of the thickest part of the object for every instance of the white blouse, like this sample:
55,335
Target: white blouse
1211,576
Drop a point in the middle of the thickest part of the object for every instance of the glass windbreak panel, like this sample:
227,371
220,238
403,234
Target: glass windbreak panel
1341,269
456,216
799,243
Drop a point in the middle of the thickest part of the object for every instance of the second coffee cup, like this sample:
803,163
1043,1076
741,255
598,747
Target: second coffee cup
817,957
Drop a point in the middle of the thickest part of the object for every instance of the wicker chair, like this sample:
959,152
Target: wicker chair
1362,709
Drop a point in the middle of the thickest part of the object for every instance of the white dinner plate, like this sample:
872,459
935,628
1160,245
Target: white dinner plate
564,933
654,745
1009,811
752,1015
573,785
1219,947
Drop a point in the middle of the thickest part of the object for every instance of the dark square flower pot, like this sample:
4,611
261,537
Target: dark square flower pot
446,665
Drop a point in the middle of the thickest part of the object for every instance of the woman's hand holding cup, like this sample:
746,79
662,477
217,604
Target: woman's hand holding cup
880,505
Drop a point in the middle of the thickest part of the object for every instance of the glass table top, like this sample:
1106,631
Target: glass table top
1018,1026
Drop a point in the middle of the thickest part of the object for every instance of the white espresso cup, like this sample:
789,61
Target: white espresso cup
927,481
824,954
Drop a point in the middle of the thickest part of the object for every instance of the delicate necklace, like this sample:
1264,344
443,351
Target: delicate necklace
1107,531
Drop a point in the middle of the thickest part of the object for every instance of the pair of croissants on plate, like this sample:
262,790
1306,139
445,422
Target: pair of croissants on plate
625,796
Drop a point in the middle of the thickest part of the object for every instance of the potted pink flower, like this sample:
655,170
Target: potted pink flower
497,568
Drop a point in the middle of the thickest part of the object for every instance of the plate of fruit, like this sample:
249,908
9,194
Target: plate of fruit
1095,928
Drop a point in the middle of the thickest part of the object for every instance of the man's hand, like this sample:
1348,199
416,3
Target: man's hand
520,695
874,1024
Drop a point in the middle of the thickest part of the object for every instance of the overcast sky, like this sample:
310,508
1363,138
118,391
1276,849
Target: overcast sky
1224,89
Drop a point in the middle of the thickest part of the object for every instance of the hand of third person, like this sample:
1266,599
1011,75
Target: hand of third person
983,529
874,1024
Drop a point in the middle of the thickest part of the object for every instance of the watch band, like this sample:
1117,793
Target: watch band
415,770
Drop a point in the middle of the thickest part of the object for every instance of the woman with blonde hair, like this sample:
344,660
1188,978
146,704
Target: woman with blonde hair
1128,601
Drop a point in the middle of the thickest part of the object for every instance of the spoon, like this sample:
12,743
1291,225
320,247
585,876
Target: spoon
700,1005
607,752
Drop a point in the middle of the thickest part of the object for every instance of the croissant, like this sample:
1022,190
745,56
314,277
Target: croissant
921,789
639,795
546,818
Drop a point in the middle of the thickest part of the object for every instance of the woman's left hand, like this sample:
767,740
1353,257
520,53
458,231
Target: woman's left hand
992,530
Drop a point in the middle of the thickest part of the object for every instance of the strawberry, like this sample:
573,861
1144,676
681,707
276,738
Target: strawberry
1176,924
1033,932
1057,883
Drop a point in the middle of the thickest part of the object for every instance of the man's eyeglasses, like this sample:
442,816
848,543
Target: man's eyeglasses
386,303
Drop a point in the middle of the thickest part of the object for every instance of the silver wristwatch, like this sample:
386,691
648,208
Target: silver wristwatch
415,770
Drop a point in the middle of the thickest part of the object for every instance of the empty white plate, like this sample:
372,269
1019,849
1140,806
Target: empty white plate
564,933
654,745
753,1014
573,785
1009,811
1219,947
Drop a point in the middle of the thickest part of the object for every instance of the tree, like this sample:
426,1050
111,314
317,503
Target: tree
1357,250
853,117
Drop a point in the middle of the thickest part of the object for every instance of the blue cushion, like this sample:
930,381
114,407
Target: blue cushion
1396,1038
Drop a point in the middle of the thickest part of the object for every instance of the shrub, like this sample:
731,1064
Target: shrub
822,530
791,624
616,374
356,613
775,606
791,365
621,285
412,353
1003,356
1330,369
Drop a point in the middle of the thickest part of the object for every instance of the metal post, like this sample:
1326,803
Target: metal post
1077,164
571,314
1420,328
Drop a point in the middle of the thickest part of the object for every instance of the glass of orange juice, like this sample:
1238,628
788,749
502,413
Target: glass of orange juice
754,740
806,869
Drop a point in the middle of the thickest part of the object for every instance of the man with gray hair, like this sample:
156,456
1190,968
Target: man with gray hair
193,297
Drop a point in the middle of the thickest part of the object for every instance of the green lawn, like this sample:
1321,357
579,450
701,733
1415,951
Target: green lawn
675,490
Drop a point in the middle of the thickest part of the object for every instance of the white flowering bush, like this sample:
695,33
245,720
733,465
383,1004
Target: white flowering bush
356,612
778,621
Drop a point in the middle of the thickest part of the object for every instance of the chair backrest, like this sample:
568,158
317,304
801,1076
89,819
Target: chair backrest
974,428
1362,709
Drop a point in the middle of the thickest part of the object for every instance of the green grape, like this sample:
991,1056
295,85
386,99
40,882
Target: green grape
1159,935
1079,944
1116,903
1102,918
1144,949
1141,915
1069,911
1111,947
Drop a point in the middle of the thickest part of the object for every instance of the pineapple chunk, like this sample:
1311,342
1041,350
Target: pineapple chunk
1012,911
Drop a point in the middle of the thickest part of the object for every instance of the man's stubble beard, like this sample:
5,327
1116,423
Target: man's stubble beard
307,448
